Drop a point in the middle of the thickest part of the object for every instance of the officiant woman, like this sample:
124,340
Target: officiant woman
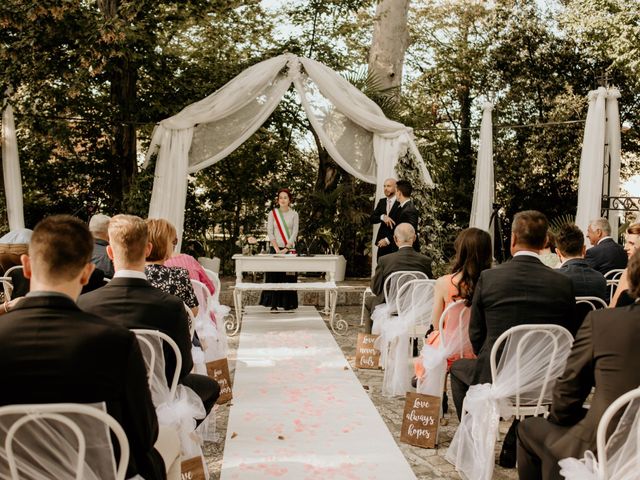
282,230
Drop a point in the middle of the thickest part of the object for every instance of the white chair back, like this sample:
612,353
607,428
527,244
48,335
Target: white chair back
215,279
613,279
415,299
533,374
151,342
214,339
454,327
392,285
212,264
594,302
8,286
64,441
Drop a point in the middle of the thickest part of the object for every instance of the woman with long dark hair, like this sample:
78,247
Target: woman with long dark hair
473,255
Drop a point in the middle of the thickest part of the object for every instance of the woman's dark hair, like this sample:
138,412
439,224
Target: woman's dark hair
473,255
633,275
285,190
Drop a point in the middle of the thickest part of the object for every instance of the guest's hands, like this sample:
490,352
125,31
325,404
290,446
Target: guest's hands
383,243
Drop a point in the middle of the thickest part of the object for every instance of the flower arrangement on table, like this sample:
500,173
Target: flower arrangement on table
248,243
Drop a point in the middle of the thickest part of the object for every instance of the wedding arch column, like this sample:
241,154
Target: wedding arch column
11,170
483,190
613,153
592,160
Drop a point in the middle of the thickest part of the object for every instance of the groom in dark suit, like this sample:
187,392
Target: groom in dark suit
131,301
385,214
52,352
604,355
407,212
405,259
521,291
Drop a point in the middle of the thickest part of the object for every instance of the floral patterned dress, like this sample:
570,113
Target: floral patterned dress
172,280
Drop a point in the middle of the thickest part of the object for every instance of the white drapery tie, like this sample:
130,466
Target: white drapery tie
180,413
472,447
394,342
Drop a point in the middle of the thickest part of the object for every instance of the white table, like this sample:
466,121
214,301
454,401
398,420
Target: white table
288,263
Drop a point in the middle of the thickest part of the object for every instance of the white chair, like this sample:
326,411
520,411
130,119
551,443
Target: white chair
177,406
8,287
367,293
212,334
212,264
390,288
617,458
613,279
62,441
594,302
415,298
532,358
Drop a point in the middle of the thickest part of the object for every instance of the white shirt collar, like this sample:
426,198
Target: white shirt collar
130,274
391,199
527,253
604,238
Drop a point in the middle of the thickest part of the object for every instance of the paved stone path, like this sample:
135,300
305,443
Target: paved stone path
427,464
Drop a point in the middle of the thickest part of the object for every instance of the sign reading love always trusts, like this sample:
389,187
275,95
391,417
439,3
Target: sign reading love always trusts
219,371
367,356
420,420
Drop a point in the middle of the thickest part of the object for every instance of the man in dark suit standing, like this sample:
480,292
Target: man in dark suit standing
52,352
606,254
405,259
131,301
587,282
521,291
385,214
407,212
605,355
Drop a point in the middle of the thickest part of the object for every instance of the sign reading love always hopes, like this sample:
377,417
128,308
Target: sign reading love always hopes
193,469
420,420
219,371
367,356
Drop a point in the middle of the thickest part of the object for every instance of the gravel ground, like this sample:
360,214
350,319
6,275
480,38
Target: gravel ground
427,464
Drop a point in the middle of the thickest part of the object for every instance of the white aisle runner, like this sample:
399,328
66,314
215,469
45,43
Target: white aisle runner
297,412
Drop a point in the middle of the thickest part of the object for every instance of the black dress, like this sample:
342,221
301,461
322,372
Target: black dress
287,299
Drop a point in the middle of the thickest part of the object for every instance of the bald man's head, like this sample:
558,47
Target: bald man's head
404,234
389,187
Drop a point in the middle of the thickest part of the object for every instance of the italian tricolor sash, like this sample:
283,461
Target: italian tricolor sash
281,225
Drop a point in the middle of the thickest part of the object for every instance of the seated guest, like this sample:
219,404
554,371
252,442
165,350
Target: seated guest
604,355
549,254
621,297
605,254
172,280
587,282
406,258
98,226
53,352
191,265
13,245
521,291
131,301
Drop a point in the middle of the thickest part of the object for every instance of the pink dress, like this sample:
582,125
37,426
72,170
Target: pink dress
434,337
196,272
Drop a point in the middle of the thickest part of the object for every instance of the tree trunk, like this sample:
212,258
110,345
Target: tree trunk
390,41
123,76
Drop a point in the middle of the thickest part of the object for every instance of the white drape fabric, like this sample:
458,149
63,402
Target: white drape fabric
11,170
531,360
614,150
179,410
483,190
350,126
453,340
601,143
213,339
47,446
622,447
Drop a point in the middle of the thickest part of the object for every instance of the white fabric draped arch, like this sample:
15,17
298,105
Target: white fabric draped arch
602,129
350,126
11,170
483,190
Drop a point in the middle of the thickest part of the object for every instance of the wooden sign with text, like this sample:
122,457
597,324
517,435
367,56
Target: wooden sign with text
420,420
367,356
192,469
219,371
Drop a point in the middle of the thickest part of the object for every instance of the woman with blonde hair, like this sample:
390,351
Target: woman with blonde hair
172,280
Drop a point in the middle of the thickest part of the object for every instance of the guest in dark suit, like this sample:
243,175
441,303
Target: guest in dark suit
521,291
98,226
606,254
587,282
385,214
605,355
131,301
53,352
407,212
404,259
